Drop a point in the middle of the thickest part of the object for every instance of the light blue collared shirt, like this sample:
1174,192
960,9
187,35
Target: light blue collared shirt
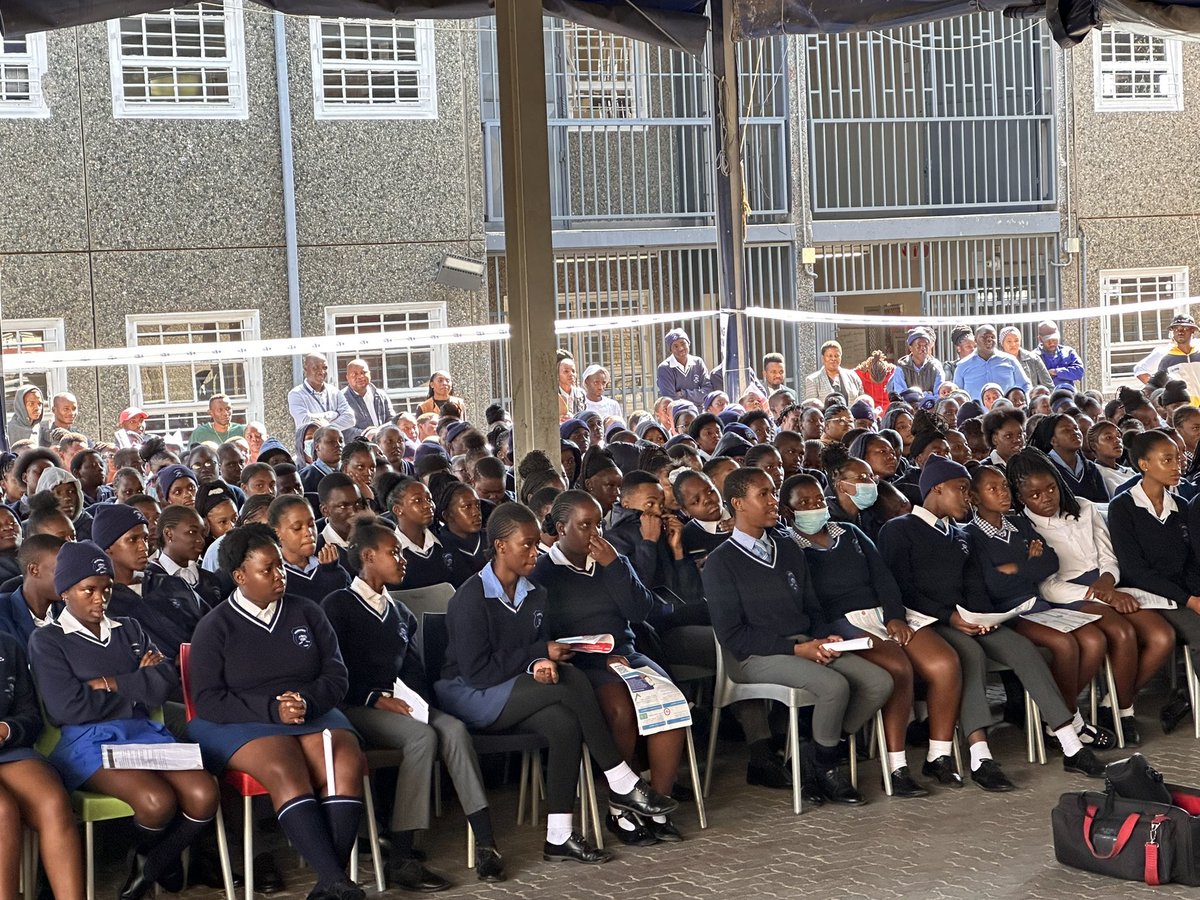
494,590
973,372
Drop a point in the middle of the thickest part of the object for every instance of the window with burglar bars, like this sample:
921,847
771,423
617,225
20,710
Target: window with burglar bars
373,69
175,395
180,63
22,67
1137,72
605,74
402,373
33,336
1128,338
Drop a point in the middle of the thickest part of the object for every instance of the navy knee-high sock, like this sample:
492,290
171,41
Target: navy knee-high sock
179,836
343,815
306,828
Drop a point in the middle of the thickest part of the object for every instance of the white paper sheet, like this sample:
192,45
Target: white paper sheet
871,621
590,643
990,620
659,704
1064,620
420,709
862,643
155,757
1146,600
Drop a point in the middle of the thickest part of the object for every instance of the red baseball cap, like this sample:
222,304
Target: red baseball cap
131,413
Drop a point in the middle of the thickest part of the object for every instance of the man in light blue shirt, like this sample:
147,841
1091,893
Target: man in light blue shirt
314,400
987,364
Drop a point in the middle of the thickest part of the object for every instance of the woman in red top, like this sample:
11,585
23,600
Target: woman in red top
875,372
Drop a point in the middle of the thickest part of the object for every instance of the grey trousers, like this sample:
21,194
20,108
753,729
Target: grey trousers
1187,625
445,737
849,690
1008,648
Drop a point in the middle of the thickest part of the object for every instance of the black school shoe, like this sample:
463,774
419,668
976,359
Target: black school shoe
903,785
489,864
267,879
1084,763
342,889
411,875
638,836
1175,711
943,771
769,773
575,849
665,832
1129,727
643,800
835,785
990,777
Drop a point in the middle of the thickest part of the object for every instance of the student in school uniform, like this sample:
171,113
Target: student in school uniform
177,484
29,606
709,523
326,456
218,508
651,539
853,491
1004,434
1013,561
503,673
340,499
10,539
310,574
377,636
765,613
1058,436
67,491
46,518
31,794
848,574
1107,451
1154,535
100,678
928,439
591,589
600,476
929,556
411,505
266,679
173,576
1140,641
458,508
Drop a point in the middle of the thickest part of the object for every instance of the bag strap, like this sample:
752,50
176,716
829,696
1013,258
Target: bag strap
1123,835
1151,869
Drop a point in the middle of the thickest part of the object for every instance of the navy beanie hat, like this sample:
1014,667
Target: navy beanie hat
111,520
863,410
168,475
565,429
429,448
78,560
938,469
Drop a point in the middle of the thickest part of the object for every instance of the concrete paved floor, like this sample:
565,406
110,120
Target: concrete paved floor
952,844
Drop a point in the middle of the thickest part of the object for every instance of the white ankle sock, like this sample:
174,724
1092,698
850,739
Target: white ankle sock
896,760
1077,722
1126,711
621,778
559,827
938,749
979,752
1069,739
624,819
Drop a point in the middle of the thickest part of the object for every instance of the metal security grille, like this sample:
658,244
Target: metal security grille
366,67
1125,339
630,130
20,73
951,115
643,283
1137,71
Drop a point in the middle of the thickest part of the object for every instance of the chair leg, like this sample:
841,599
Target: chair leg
536,791
373,833
585,812
1035,713
701,813
523,788
354,862
793,737
589,786
223,852
470,847
89,831
1111,681
881,744
1033,728
712,748
437,789
248,846
1193,687
853,748
956,746
1094,703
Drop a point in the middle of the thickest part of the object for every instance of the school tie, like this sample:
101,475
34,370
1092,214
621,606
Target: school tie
762,549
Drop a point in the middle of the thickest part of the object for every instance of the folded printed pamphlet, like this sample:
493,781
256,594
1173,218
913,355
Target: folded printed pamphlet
1064,620
991,620
174,757
871,621
660,706
590,643
420,709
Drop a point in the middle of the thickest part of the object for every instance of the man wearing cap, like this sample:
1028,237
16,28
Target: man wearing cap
919,369
315,400
1182,329
1062,362
1031,363
987,364
831,378
595,383
962,339
132,430
682,376
371,406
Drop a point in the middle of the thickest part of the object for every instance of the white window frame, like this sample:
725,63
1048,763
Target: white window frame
439,352
634,84
234,62
425,69
54,340
34,58
1171,70
1151,343
254,375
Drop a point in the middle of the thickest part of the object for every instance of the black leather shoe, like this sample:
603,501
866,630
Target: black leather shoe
1131,732
1175,711
990,777
903,784
172,880
643,800
682,793
342,889
942,769
205,871
664,831
835,785
638,836
267,879
769,773
1084,763
810,791
489,864
411,875
136,886
575,849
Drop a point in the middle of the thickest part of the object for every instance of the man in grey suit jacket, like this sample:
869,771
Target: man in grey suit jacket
831,378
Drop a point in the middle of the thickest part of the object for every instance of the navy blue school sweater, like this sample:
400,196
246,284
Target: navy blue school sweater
934,568
18,699
208,589
376,649
9,567
851,574
1089,484
655,564
15,617
1156,556
343,554
311,475
239,664
603,601
462,556
489,642
756,605
698,543
63,664
318,583
168,614
423,569
994,547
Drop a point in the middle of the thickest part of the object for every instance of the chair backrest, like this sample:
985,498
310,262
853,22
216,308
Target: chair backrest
185,656
432,599
435,638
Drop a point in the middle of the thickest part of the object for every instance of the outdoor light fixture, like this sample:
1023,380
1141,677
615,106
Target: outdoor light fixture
461,272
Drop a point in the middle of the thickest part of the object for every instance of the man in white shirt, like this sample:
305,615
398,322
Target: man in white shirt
595,383
313,400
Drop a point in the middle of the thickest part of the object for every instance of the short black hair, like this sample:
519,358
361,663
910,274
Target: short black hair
35,548
331,483
171,517
242,541
737,482
252,469
279,506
